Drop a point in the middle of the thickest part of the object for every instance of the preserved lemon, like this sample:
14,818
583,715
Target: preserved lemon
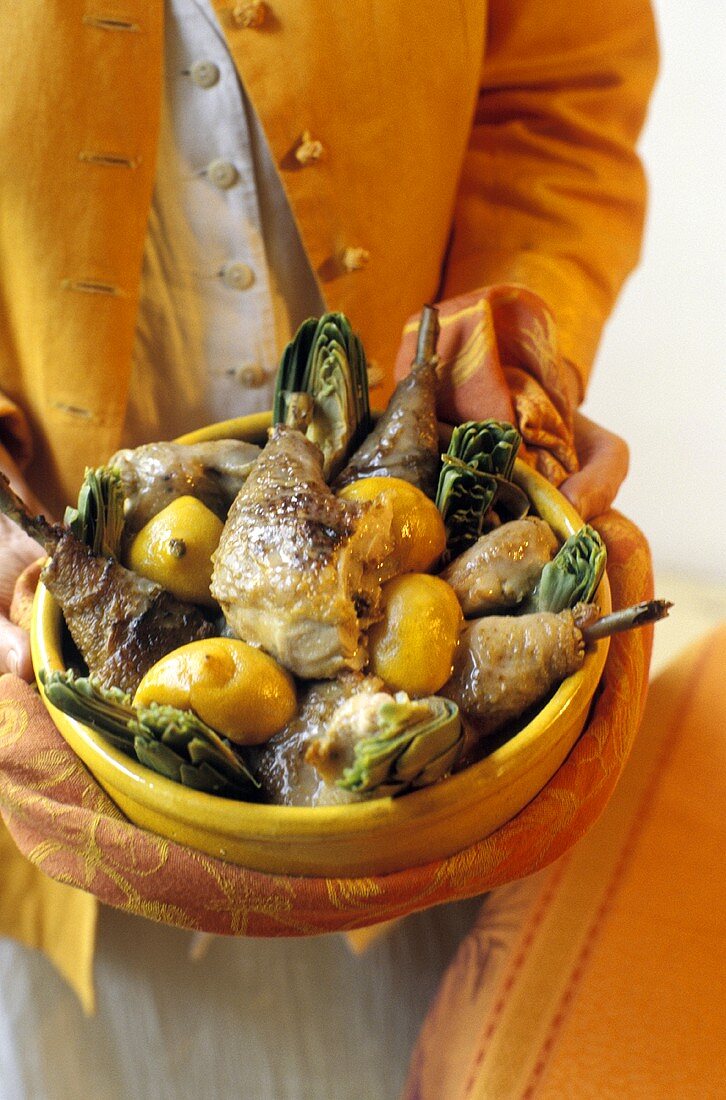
236,689
175,549
418,532
412,648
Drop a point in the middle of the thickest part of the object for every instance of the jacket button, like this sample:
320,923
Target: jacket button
250,374
249,13
309,151
354,259
237,276
222,173
204,74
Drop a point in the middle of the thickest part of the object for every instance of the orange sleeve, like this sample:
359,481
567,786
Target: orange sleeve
552,194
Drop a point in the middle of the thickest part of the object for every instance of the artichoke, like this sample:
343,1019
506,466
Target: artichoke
490,446
322,388
416,743
291,373
98,520
174,743
573,574
477,464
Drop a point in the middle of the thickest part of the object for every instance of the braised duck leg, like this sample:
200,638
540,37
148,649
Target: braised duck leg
505,663
405,441
155,474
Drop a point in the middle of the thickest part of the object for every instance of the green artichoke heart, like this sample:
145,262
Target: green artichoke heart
574,573
326,361
98,519
417,743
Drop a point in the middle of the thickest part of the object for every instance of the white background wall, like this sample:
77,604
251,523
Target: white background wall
660,377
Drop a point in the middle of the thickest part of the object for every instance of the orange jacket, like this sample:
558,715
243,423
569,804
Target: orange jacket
512,124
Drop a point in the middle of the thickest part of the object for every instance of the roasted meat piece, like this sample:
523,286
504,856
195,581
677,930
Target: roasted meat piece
121,623
296,569
352,740
502,567
157,473
506,663
405,441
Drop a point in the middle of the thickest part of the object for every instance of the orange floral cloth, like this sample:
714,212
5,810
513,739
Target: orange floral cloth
66,825
499,349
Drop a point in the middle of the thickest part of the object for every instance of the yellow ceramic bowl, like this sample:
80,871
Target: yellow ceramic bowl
376,837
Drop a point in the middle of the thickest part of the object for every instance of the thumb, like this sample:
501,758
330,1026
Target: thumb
15,650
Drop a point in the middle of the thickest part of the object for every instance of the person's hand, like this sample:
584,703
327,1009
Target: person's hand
17,551
604,462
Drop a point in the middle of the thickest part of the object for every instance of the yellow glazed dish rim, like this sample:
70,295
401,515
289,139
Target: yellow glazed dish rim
379,836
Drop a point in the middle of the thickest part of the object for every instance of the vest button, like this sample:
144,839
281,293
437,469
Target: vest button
251,375
222,173
204,74
237,276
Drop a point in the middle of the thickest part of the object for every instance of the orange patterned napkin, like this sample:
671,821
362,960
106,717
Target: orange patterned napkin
498,350
65,823
612,984
36,910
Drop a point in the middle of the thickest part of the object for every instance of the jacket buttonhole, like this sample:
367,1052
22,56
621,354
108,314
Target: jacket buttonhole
92,286
72,410
109,160
110,23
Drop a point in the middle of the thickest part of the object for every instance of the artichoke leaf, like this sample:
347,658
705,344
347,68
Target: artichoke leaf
172,742
205,777
464,497
291,372
98,519
158,757
489,446
479,459
186,731
438,767
105,710
421,752
334,403
573,575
